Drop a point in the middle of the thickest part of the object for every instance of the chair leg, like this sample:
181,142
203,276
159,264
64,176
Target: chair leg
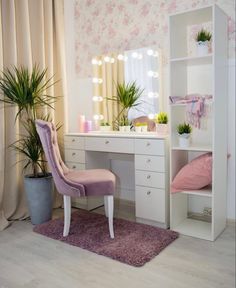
109,208
106,205
67,214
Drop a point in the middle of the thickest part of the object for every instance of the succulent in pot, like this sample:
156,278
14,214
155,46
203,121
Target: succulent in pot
141,126
162,123
184,131
105,126
203,39
124,124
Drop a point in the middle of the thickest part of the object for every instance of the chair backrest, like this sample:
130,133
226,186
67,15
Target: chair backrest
151,124
48,136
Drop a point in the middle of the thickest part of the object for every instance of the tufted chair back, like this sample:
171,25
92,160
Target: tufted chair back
48,136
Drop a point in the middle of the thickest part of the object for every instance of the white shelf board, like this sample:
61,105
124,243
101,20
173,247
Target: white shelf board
194,148
207,192
185,104
194,60
194,228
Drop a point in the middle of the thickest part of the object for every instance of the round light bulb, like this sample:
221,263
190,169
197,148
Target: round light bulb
150,52
151,116
150,73
107,59
94,61
120,57
134,54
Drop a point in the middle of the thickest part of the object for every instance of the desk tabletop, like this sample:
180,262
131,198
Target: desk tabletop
141,135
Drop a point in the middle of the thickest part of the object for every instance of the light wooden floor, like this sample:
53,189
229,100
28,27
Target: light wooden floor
30,260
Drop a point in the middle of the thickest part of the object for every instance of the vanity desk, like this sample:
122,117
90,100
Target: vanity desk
151,176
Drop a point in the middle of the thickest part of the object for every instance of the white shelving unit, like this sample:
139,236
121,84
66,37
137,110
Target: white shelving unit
203,75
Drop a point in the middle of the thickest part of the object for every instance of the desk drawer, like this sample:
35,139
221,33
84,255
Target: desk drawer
150,163
150,203
150,147
74,142
150,179
109,144
75,166
74,155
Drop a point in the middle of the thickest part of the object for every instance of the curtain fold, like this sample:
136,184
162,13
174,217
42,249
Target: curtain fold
30,32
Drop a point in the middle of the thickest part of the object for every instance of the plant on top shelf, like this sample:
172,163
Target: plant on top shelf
161,120
203,35
184,130
203,38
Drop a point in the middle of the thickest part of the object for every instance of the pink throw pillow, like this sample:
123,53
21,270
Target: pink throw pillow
195,175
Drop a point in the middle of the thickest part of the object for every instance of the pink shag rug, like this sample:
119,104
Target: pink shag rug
134,244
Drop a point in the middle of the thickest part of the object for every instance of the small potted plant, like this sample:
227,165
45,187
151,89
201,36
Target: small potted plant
124,125
203,38
184,131
161,123
141,127
105,126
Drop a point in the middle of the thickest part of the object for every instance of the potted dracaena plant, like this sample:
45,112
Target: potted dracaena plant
128,96
26,90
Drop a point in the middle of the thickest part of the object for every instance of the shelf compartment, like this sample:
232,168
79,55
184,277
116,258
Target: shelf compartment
194,60
195,228
207,192
194,148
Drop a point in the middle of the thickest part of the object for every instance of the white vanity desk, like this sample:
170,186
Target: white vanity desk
150,154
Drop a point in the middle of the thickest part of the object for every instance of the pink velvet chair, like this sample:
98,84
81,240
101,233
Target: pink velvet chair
71,183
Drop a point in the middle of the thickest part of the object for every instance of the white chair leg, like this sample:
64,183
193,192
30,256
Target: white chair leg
106,205
67,214
109,203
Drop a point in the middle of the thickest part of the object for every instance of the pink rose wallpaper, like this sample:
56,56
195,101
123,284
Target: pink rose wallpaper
116,25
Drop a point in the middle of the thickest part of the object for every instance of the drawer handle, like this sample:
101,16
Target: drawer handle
148,160
73,154
148,143
73,140
148,176
107,142
73,167
148,192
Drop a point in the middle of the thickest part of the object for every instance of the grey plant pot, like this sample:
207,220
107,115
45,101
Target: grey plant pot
39,197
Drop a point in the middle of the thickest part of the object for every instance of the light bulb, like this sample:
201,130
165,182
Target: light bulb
99,62
97,98
112,60
98,117
94,61
134,54
151,116
150,73
150,52
107,59
120,57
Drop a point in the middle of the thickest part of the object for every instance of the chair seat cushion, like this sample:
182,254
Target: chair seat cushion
97,182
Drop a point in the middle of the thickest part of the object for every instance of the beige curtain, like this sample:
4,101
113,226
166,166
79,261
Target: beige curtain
31,31
108,70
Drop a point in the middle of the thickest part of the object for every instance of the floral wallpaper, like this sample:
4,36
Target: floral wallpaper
116,25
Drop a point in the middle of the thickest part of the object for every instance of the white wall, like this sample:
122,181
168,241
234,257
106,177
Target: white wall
79,102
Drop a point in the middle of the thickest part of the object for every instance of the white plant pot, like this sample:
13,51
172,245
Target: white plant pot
138,129
184,140
122,128
202,48
105,128
127,128
162,129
